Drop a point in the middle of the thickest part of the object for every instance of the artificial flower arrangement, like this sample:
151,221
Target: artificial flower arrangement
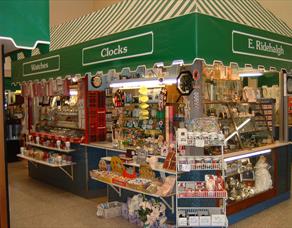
151,212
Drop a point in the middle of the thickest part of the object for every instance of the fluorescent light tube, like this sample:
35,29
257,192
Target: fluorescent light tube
247,155
147,83
250,74
73,92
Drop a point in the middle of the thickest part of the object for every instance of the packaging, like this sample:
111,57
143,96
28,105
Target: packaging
218,220
109,210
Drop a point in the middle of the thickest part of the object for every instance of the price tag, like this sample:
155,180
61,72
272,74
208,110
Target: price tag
186,167
199,143
194,220
182,221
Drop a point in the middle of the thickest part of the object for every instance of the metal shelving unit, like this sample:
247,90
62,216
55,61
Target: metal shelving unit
217,214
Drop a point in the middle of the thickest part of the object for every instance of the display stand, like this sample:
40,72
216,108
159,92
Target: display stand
200,215
60,166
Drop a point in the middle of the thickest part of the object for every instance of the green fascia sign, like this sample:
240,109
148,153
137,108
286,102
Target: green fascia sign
263,47
160,42
183,38
125,48
236,43
41,66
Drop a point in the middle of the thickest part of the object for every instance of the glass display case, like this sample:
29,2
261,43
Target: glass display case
250,179
245,113
245,125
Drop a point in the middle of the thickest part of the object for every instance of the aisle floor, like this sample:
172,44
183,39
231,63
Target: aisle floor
34,204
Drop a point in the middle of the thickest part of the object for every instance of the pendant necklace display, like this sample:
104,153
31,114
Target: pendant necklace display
162,99
119,98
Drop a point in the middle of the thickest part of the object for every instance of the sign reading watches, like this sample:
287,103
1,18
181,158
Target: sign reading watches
44,65
253,45
125,48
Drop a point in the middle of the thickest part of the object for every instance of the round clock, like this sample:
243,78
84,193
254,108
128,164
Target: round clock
185,82
96,81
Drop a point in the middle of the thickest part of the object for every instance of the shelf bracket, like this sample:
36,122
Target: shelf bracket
69,174
34,164
170,206
117,190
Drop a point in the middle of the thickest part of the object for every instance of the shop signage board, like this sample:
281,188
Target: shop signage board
145,45
125,48
40,66
253,45
241,44
183,38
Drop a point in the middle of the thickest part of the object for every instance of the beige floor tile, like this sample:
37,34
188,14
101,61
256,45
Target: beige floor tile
34,204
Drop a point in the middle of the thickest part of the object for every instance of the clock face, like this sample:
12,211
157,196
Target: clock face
185,82
96,81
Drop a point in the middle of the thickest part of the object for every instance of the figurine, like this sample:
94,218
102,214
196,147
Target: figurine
263,179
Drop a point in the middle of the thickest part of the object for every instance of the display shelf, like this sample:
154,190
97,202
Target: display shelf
109,146
49,148
68,113
201,167
138,165
255,150
118,189
56,136
60,166
44,162
215,217
67,124
202,194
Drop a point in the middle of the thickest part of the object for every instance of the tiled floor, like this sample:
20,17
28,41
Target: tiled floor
37,205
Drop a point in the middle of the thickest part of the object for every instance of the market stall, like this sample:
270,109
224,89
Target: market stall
190,118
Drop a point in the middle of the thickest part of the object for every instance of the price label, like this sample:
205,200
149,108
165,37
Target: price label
186,167
194,220
182,221
199,143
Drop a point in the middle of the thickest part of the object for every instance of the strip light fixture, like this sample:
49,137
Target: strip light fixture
128,83
247,74
248,155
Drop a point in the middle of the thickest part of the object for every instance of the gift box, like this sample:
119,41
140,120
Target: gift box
119,181
218,220
109,210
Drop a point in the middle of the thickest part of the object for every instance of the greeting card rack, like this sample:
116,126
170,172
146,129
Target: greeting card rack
200,203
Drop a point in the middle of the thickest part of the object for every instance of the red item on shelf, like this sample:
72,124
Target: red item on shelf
128,175
119,181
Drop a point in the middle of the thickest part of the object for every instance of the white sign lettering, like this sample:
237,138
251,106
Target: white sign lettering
106,52
265,46
39,66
